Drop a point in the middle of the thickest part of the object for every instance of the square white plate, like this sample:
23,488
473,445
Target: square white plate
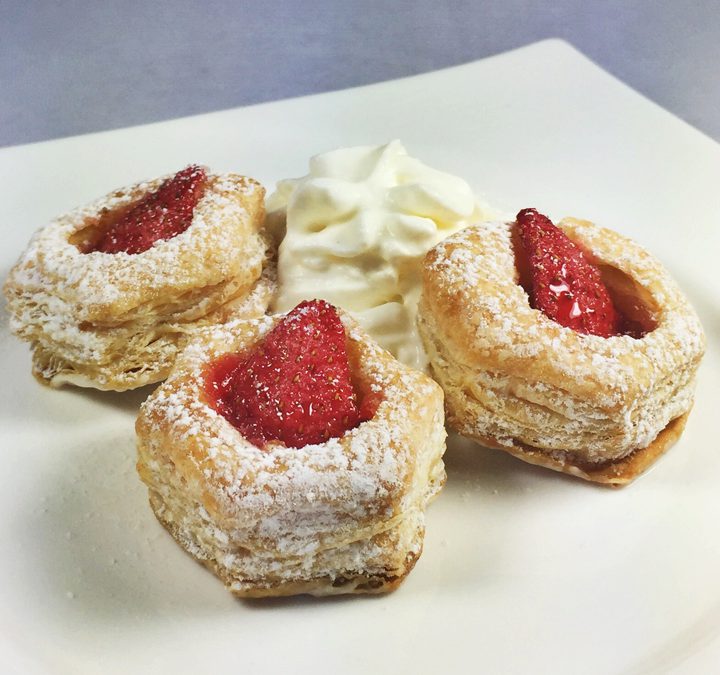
524,571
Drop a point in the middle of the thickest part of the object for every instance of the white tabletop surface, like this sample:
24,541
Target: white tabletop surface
78,66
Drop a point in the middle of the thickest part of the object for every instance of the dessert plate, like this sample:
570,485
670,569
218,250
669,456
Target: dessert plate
524,570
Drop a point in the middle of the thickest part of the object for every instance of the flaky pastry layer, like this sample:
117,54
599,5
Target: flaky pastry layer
116,321
344,516
516,380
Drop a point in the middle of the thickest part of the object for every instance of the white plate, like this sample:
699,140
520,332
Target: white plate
524,571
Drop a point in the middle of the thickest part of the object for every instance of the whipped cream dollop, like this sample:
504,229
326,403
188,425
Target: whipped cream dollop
357,228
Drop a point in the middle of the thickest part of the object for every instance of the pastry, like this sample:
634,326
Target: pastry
290,454
587,372
107,294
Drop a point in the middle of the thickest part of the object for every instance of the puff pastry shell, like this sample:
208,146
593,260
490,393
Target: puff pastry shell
116,321
344,516
599,408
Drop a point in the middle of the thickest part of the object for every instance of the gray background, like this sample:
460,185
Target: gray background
74,66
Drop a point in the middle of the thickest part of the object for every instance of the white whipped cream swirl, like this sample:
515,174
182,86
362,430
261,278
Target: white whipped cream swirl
357,228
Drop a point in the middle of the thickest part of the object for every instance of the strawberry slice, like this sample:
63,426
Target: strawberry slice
160,215
295,386
564,285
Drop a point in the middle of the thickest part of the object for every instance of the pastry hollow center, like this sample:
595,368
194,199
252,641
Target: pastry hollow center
564,283
295,386
159,215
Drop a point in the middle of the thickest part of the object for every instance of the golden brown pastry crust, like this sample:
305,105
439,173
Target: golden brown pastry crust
599,408
345,516
116,321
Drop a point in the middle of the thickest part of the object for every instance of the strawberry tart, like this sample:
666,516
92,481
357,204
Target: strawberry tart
568,346
107,294
291,454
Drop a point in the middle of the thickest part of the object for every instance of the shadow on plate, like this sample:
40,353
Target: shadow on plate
127,401
473,466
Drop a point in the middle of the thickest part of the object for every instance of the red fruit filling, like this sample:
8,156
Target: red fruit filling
160,215
295,386
561,282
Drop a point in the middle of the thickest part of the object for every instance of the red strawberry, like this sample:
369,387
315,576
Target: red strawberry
294,386
162,214
565,286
